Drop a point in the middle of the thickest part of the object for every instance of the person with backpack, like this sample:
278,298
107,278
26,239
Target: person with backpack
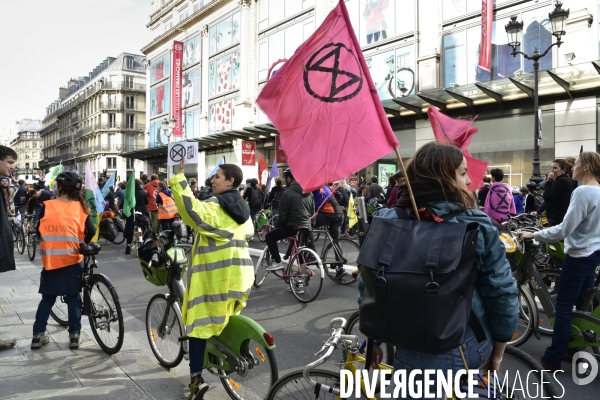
275,196
375,192
437,175
533,200
167,210
499,201
254,196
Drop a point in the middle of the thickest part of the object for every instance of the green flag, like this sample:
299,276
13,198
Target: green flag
129,199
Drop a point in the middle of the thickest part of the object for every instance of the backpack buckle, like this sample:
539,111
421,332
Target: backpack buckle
379,277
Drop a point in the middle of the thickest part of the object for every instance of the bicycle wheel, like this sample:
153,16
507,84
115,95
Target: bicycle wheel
341,256
528,315
352,328
262,234
31,246
308,270
164,343
20,242
516,363
551,277
59,312
261,272
352,233
261,373
104,312
294,386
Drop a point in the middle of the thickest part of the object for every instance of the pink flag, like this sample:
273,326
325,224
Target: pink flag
458,132
262,165
326,108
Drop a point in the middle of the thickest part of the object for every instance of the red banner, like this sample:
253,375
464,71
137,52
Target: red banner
485,48
176,89
248,153
279,153
353,181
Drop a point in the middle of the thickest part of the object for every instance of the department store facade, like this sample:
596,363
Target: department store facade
420,53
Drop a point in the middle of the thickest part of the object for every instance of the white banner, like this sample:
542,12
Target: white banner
179,150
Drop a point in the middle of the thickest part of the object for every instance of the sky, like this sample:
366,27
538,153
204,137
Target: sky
44,43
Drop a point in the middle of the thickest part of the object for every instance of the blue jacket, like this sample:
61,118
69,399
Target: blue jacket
519,203
495,297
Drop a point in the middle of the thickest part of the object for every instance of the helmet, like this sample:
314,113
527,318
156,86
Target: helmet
69,179
287,173
531,185
523,189
374,179
515,190
4,177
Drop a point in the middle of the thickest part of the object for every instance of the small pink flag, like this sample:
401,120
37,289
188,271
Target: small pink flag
326,108
458,132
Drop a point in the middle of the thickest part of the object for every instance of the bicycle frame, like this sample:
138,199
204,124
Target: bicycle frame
583,321
287,272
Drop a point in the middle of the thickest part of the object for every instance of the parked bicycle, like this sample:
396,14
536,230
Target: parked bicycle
26,236
264,224
100,303
311,383
304,271
241,356
141,230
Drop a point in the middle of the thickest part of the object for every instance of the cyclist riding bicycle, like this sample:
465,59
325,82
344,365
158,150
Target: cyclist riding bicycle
295,210
222,271
64,224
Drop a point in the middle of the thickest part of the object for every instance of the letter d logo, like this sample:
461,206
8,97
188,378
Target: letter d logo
579,370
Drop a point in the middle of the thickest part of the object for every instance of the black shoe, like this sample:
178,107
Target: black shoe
197,388
127,250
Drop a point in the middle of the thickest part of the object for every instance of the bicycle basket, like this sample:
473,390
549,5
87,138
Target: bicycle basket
153,262
261,220
177,256
142,221
179,228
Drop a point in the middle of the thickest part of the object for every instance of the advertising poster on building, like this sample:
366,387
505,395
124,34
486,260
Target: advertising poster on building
177,88
279,153
385,171
248,153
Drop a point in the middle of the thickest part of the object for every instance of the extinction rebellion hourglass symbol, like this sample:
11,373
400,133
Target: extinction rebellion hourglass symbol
324,79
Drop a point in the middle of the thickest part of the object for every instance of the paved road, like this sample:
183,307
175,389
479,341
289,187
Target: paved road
299,329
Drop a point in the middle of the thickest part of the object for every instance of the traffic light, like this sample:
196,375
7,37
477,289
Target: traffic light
104,172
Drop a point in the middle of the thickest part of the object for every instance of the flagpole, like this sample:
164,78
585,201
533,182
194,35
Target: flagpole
410,192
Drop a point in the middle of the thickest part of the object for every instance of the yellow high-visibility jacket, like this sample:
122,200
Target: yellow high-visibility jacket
221,272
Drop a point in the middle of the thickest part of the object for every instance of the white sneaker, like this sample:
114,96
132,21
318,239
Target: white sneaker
276,266
299,288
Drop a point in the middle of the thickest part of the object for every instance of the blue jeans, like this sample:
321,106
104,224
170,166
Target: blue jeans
475,353
576,276
196,349
43,313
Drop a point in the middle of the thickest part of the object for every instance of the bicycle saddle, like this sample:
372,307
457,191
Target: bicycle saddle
89,249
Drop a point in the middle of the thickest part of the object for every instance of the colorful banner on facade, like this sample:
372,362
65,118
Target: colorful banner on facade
177,88
279,153
485,47
248,153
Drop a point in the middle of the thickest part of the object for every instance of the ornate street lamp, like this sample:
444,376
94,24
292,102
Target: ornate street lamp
167,127
514,30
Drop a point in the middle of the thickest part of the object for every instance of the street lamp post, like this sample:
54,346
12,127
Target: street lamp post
514,30
167,128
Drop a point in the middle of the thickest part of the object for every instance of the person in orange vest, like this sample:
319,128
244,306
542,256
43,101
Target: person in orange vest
64,224
167,210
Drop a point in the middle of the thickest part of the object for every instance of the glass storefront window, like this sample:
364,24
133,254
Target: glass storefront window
376,20
191,51
160,99
393,72
224,74
224,34
157,138
191,86
192,123
270,12
456,8
159,68
537,32
455,69
221,116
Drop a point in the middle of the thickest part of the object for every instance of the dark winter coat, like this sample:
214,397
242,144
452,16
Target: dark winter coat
557,195
7,246
296,208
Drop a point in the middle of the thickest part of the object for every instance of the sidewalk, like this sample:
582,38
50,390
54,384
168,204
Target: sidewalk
55,371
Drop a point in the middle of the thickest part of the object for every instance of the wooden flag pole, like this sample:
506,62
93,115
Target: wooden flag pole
410,192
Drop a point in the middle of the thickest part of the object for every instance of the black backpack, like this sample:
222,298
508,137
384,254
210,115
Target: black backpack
256,198
419,278
277,195
108,230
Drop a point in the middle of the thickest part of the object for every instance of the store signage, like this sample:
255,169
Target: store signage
485,47
176,87
248,153
279,153
353,181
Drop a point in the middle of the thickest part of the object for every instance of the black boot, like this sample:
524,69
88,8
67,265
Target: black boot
127,249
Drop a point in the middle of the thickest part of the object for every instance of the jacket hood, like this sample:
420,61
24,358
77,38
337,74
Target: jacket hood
167,192
153,183
234,205
295,186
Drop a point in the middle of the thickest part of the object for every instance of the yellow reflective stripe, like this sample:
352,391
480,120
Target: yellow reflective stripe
215,298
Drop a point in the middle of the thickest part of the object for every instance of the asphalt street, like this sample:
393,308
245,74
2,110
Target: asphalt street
299,329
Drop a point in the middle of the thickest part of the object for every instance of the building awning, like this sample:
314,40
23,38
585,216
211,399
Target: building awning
575,80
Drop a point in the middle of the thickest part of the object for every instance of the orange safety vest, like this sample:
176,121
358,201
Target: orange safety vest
168,209
61,229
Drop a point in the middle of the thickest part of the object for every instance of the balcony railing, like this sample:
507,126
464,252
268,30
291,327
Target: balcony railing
133,127
74,120
49,128
63,140
111,105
